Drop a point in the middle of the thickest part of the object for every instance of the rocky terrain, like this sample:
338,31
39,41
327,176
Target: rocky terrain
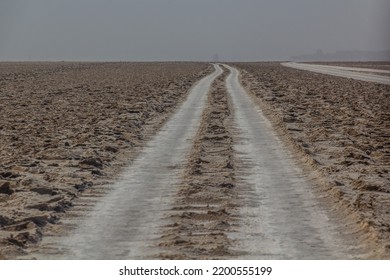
65,127
340,128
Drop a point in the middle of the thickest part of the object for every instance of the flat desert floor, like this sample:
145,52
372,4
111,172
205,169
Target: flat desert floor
192,161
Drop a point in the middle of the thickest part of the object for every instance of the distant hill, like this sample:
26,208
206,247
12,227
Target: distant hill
345,56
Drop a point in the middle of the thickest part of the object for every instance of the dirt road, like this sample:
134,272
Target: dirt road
217,184
346,72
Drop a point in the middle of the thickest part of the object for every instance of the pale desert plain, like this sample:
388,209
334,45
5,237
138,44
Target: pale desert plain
191,160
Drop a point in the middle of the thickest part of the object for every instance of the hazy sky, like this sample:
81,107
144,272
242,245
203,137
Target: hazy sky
189,29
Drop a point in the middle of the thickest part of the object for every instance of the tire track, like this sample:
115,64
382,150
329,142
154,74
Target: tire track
283,218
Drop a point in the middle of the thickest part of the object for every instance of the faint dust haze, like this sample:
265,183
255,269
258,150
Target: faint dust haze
202,30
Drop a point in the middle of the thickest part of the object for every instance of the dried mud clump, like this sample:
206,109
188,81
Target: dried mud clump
65,127
340,126
203,213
